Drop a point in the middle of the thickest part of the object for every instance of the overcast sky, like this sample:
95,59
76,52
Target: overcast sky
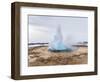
42,28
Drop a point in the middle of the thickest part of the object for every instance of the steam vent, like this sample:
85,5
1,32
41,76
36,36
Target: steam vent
57,45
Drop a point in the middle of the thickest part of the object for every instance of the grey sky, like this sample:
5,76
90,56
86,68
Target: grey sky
42,28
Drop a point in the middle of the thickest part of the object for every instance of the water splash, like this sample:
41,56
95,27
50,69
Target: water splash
57,43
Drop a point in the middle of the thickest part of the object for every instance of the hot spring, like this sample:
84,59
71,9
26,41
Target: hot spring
57,44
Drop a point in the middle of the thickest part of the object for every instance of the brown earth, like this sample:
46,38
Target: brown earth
40,56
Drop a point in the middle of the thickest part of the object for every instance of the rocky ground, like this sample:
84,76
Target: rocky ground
40,56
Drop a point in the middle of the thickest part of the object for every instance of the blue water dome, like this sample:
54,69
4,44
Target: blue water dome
56,44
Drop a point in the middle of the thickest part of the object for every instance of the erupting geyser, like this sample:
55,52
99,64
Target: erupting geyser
57,42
